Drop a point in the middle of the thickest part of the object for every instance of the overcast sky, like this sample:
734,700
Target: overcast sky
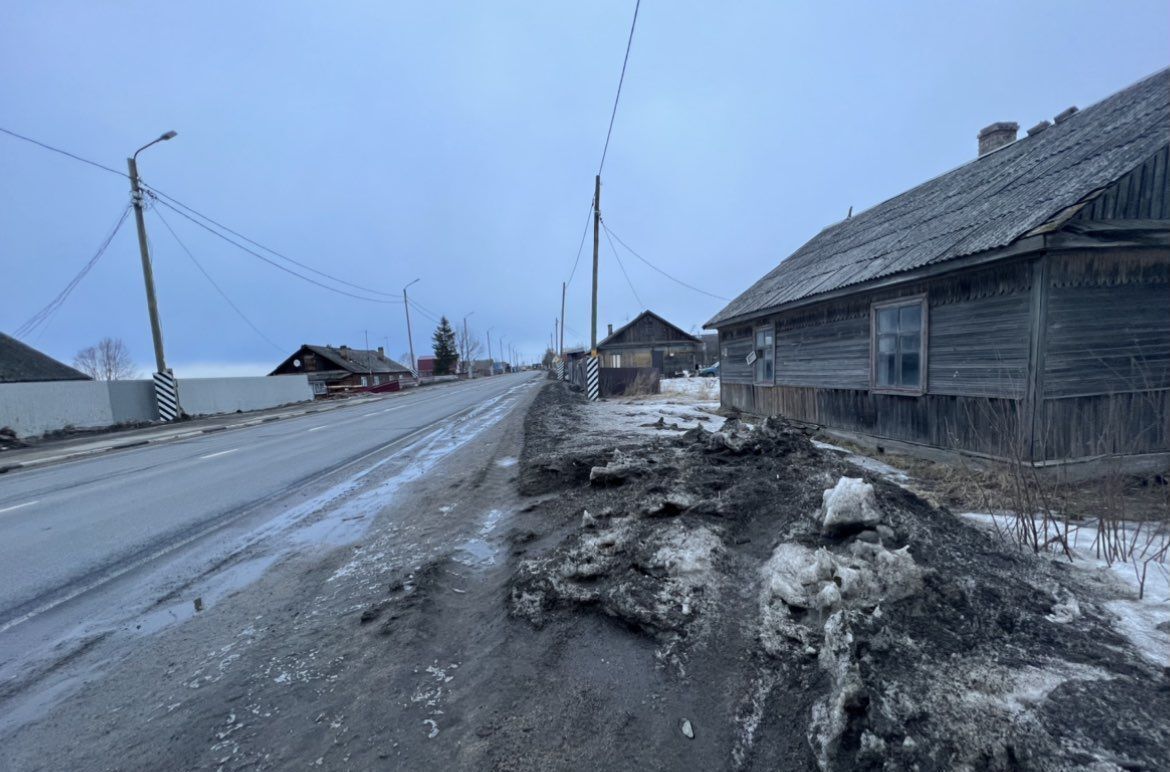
456,142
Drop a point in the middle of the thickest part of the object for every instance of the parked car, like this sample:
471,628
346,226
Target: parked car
711,371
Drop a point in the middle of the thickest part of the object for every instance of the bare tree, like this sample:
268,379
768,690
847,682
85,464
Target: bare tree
109,360
469,347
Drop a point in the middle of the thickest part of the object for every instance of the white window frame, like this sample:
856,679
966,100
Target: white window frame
923,335
769,329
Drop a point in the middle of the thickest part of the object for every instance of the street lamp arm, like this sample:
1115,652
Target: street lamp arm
162,138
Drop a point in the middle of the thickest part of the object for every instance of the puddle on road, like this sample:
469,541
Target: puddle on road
212,590
480,550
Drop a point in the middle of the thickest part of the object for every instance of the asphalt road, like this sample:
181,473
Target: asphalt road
67,528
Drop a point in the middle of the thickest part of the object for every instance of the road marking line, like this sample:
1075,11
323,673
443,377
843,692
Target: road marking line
19,506
319,428
220,453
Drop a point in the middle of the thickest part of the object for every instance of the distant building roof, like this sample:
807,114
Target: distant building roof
353,360
986,204
674,332
19,363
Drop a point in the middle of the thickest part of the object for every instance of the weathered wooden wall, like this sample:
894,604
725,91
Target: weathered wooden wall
1106,374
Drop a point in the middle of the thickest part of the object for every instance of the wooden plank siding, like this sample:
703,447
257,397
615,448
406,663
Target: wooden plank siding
734,345
1101,386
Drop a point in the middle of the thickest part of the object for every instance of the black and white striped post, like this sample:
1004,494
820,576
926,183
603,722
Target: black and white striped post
166,394
592,380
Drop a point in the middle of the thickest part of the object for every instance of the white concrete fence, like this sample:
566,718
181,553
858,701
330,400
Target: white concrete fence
32,409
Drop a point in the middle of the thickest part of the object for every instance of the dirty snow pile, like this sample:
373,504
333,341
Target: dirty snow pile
844,611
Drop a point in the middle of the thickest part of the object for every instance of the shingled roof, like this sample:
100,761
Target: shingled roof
986,204
350,360
19,363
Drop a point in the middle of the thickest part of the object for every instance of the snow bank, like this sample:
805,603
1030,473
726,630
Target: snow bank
704,389
1137,618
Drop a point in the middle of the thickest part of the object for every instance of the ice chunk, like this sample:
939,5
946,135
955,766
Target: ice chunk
849,506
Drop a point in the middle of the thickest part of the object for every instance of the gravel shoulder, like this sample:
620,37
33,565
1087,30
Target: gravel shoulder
563,593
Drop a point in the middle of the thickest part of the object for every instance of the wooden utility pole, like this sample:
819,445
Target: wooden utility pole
596,228
409,336
561,346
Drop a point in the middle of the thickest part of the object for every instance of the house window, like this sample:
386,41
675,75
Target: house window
615,360
365,381
899,346
765,355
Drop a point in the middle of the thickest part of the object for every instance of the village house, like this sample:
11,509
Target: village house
1015,307
20,364
342,368
651,341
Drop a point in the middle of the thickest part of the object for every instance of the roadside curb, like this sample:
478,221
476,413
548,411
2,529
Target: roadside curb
71,456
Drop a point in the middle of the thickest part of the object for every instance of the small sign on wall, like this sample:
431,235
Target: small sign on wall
751,358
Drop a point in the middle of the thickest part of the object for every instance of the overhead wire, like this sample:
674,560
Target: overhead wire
621,265
215,284
75,157
271,262
621,80
268,249
608,134
41,318
609,232
161,194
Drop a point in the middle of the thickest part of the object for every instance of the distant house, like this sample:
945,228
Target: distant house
342,368
1015,307
20,363
650,341
426,366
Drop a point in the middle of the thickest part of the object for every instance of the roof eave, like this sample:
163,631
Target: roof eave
1024,246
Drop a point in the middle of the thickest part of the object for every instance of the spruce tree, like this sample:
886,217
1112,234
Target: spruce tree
446,354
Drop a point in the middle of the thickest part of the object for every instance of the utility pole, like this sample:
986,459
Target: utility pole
369,358
160,360
166,391
596,227
467,350
491,363
561,347
409,336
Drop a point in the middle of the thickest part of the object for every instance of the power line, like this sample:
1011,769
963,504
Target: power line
424,312
273,263
641,305
213,283
103,167
270,250
42,317
656,268
618,95
581,246
197,213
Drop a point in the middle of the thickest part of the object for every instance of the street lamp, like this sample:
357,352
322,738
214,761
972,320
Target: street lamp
409,336
467,347
165,392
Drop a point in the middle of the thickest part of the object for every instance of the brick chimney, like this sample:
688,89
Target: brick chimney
381,351
997,135
344,349
610,327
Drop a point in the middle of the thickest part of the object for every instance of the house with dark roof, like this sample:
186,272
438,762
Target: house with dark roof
1015,307
342,368
648,340
20,364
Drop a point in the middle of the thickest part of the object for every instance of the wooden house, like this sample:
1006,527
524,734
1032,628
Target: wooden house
651,341
342,368
1015,307
21,364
